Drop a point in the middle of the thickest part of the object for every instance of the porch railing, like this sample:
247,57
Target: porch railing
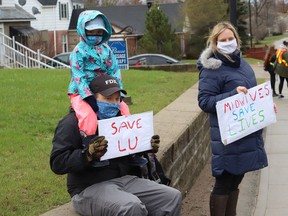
15,55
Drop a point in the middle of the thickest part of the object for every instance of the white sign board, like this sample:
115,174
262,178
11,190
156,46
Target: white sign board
243,114
127,134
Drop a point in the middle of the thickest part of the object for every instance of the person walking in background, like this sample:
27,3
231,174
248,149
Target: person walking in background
223,73
270,65
282,66
90,58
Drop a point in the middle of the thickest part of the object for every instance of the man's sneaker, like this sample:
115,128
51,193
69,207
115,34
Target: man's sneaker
280,96
275,94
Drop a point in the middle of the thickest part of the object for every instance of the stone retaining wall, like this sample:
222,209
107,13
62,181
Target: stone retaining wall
185,138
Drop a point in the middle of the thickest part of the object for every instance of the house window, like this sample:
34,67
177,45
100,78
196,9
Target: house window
76,6
63,11
64,43
0,2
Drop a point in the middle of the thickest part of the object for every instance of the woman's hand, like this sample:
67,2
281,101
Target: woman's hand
240,89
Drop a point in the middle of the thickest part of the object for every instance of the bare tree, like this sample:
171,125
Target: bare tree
201,15
264,14
282,6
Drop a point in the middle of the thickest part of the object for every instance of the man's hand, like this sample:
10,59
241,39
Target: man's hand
97,148
155,143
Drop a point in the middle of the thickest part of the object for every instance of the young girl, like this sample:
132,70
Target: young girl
90,58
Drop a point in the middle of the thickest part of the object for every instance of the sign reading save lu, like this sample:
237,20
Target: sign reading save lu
127,134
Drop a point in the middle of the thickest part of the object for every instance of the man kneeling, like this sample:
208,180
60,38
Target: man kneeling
109,187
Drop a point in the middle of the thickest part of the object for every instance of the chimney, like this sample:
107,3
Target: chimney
149,4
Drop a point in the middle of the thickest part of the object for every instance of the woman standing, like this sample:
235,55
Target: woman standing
223,73
270,65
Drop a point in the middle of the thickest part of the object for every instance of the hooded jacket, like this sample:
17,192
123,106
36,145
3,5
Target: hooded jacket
281,69
218,79
88,61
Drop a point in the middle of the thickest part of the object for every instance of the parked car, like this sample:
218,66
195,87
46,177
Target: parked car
151,59
62,57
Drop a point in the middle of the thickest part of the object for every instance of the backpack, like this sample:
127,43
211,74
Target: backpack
271,64
153,170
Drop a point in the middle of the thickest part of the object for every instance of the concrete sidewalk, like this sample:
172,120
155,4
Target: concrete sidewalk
272,198
273,188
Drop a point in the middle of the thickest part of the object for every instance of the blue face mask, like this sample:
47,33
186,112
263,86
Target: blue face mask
107,110
94,39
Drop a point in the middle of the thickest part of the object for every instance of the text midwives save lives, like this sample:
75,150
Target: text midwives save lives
246,103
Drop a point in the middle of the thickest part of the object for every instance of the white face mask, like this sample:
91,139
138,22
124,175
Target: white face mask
227,47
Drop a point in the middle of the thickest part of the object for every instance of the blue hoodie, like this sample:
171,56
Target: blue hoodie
88,61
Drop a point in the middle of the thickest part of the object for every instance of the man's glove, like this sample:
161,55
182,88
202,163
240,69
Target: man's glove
97,148
155,143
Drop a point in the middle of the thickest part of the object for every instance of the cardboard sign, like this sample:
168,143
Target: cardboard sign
127,134
243,114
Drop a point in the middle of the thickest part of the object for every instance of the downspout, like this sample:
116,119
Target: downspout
54,32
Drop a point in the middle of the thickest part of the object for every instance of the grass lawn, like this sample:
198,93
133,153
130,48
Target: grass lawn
33,101
270,40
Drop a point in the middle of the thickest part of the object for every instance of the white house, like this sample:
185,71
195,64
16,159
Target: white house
41,24
53,16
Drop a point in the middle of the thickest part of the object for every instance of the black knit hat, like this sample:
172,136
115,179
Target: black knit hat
105,85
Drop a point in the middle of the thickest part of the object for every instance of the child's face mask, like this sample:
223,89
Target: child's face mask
227,47
107,110
94,39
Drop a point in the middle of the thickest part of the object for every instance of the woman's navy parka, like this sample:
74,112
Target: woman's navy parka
218,79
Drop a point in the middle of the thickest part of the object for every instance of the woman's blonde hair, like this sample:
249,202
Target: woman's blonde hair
217,30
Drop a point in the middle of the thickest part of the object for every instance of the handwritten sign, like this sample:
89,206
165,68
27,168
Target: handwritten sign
243,114
127,134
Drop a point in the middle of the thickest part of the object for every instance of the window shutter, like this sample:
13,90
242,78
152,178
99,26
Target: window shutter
59,5
67,11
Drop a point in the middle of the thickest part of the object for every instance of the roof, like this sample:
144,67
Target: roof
23,30
48,2
14,13
134,16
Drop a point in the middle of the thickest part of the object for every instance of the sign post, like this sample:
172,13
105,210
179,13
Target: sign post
119,48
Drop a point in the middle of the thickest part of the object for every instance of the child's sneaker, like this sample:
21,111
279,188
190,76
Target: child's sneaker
136,160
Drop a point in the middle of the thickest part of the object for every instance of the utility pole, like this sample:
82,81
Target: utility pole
233,12
250,25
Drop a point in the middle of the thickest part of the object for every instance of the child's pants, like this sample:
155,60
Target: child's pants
87,118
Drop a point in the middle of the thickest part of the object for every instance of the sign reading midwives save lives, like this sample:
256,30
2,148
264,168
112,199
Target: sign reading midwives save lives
127,134
243,114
